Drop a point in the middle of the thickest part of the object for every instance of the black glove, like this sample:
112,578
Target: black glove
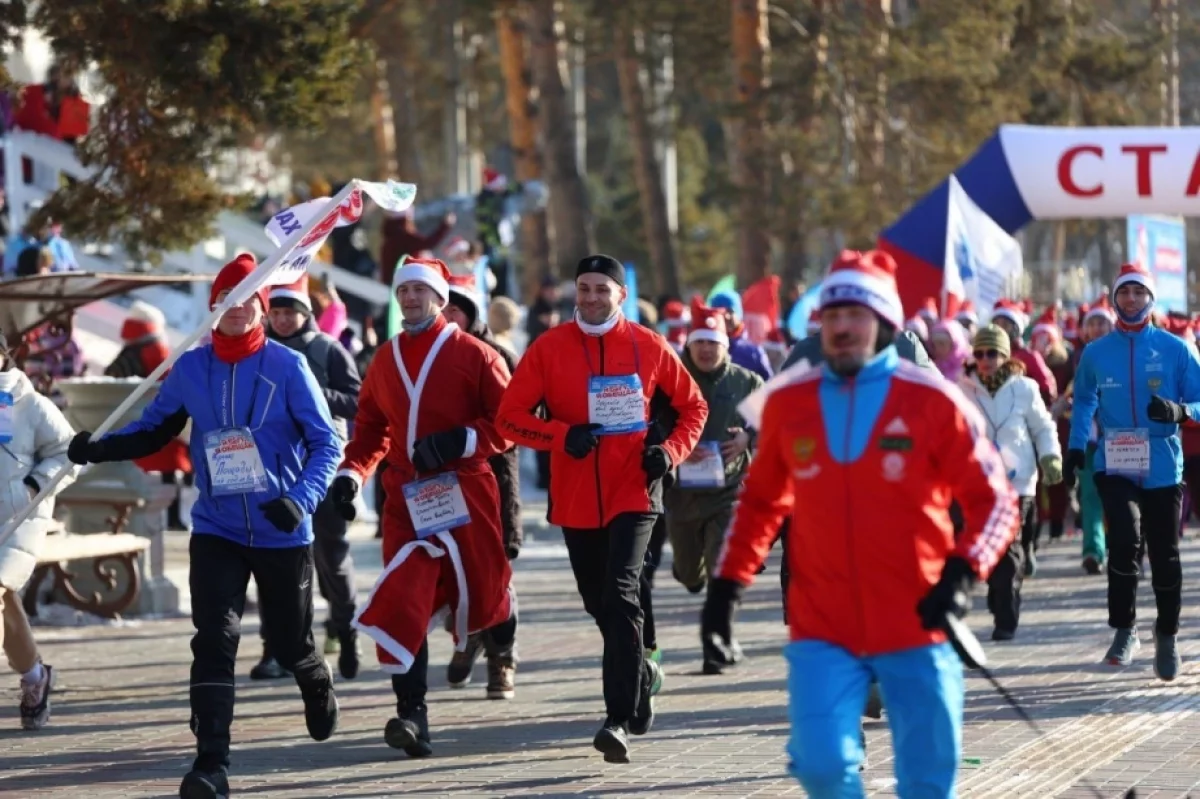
581,439
512,552
435,451
951,594
82,450
716,620
1163,410
1074,461
656,462
342,493
283,513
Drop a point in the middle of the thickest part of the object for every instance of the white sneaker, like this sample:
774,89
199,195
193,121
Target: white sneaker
35,700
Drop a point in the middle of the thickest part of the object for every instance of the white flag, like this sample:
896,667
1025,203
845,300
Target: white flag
981,258
390,196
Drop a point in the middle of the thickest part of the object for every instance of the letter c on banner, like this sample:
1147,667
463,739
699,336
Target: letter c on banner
1143,153
1067,180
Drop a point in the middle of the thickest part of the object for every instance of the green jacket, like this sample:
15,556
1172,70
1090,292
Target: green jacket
723,389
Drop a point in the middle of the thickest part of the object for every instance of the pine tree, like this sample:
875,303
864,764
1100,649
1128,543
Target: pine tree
186,78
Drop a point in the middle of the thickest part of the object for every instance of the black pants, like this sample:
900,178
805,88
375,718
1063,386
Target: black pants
220,571
607,563
1142,521
335,571
654,550
411,686
1004,583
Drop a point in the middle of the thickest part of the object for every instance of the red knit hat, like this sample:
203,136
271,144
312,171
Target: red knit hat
865,278
675,314
966,313
144,320
1010,310
708,324
292,295
1102,307
1047,323
464,294
1134,273
494,180
430,271
234,273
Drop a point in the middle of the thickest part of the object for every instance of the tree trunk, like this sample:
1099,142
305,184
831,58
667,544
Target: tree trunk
404,113
749,146
382,123
646,170
880,13
571,233
535,242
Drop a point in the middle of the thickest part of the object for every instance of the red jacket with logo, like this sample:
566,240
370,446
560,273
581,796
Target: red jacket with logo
588,493
870,537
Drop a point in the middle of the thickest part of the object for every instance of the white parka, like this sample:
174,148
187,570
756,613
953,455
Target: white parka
41,435
1019,425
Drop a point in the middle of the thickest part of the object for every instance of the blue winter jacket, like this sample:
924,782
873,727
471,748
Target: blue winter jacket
291,425
748,355
1116,377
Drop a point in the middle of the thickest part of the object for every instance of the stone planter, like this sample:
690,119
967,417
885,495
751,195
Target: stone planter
93,502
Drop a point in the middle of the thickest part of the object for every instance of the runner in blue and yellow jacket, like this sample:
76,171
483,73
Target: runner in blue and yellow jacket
1138,383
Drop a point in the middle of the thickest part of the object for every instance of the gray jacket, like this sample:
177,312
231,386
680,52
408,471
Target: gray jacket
908,347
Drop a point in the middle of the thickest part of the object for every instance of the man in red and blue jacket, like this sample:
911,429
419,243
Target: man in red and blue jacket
866,452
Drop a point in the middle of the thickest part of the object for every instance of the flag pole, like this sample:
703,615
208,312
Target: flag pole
240,293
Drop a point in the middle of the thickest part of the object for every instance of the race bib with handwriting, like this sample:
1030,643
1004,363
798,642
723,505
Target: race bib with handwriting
617,403
706,473
436,504
234,463
1127,451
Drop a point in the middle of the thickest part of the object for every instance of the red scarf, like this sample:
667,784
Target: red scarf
232,349
1124,326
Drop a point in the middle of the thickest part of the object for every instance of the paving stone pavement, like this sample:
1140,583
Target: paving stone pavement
119,727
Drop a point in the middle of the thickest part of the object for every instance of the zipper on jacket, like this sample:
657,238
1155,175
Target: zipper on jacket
1132,398
233,416
858,605
596,450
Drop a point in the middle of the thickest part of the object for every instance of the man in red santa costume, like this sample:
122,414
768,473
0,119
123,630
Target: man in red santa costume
428,405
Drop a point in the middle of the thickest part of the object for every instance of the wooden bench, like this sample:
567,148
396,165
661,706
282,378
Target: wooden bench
111,554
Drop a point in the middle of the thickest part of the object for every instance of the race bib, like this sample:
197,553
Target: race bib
617,403
6,417
706,473
1127,451
436,504
234,463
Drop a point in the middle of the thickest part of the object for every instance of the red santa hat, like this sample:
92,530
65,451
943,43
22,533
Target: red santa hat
708,324
966,313
1047,323
465,296
1102,308
144,320
233,273
814,322
494,180
457,246
1070,327
292,295
865,279
1134,273
675,314
430,271
1010,310
929,310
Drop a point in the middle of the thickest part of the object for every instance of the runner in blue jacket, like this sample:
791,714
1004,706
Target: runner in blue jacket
1138,383
265,451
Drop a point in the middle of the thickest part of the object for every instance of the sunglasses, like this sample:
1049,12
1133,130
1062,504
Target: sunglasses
981,354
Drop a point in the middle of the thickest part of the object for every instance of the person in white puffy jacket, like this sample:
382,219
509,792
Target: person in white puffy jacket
34,437
1021,428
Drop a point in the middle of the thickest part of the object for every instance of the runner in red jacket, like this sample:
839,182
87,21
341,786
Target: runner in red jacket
868,452
596,377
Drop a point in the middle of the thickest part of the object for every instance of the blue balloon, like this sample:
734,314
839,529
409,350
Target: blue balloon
797,321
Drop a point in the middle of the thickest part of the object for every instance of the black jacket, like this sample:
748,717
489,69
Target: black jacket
342,384
507,465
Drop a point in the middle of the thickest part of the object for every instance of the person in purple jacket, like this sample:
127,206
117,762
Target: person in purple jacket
742,351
